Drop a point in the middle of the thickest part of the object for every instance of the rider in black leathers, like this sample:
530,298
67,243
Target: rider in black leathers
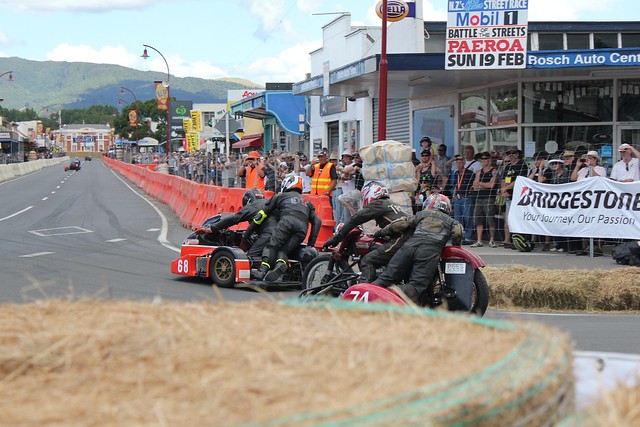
419,256
295,213
379,207
253,202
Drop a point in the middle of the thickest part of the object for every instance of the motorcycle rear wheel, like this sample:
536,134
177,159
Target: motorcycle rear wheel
480,298
317,273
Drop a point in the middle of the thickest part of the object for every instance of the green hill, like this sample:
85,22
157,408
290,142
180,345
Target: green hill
57,85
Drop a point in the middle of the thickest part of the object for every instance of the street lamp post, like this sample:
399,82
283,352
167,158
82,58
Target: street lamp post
165,84
10,75
122,89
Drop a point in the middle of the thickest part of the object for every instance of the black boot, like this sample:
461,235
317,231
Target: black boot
276,274
260,272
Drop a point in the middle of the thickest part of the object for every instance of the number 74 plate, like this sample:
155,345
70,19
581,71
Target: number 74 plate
455,268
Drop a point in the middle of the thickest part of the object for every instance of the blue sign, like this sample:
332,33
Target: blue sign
584,58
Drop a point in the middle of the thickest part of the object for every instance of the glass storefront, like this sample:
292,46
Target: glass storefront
536,116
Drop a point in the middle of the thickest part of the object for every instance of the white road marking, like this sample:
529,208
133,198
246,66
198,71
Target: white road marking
162,238
44,198
36,254
53,192
15,214
153,229
58,186
120,239
60,231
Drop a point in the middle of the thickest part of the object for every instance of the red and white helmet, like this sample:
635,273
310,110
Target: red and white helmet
292,182
438,202
373,190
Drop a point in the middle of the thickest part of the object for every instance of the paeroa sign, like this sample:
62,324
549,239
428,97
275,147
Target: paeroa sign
489,34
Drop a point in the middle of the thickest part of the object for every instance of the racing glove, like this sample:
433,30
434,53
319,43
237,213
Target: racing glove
202,230
331,241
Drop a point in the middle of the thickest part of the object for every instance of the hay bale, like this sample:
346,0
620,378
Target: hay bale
572,289
617,407
132,363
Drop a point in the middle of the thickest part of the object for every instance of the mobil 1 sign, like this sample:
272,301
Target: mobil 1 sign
488,34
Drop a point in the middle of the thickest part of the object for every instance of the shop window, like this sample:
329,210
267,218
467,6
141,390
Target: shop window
473,110
629,100
631,40
605,40
578,41
580,139
579,101
435,43
477,138
504,138
551,41
503,104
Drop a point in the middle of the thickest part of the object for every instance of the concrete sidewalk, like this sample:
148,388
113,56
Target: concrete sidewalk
498,257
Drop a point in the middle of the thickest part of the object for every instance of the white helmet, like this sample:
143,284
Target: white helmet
292,182
373,190
438,202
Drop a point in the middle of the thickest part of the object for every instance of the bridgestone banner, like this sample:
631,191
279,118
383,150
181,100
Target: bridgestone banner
592,207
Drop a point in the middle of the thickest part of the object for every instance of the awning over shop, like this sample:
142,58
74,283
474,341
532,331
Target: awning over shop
249,141
281,105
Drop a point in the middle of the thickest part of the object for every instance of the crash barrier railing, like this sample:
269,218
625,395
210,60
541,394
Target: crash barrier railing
193,202
12,170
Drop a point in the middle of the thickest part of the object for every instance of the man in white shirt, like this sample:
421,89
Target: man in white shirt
303,165
626,170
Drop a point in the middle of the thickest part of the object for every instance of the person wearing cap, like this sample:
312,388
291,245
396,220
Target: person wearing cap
588,166
626,169
514,167
252,171
462,199
350,197
570,161
486,184
303,166
537,170
324,177
427,174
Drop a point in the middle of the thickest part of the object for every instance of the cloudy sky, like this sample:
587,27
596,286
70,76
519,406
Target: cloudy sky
257,40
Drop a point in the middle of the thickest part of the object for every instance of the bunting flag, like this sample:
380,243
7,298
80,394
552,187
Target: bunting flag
162,94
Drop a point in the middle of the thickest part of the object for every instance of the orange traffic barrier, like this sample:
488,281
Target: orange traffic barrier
325,212
194,200
210,203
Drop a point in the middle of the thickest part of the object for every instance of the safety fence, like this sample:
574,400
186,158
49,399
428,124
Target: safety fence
193,203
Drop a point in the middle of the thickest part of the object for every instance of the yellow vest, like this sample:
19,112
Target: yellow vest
320,182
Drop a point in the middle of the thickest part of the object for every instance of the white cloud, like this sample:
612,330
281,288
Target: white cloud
83,53
74,5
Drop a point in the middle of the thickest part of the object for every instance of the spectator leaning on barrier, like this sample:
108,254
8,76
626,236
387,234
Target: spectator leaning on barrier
303,166
513,168
627,169
557,174
486,185
537,174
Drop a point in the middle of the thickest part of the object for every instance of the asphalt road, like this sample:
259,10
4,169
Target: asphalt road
91,234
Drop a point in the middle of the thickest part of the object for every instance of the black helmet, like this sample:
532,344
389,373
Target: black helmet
251,195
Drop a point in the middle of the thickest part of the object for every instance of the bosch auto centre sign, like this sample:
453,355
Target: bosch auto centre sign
487,34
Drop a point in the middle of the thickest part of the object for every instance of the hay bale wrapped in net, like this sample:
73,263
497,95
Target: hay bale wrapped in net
389,162
263,363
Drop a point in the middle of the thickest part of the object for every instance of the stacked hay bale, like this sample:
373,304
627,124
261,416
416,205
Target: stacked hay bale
261,363
389,162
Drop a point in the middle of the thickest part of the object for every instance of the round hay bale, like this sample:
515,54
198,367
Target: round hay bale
293,364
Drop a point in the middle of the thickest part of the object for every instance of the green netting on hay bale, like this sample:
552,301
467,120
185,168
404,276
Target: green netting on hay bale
261,363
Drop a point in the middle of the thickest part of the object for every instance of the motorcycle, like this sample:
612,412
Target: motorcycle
459,282
221,256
